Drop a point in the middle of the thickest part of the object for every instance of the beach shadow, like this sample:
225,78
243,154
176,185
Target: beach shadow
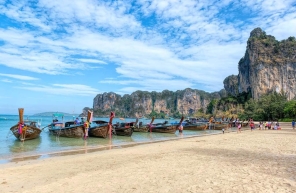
278,165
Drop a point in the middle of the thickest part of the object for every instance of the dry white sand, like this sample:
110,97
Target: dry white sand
258,161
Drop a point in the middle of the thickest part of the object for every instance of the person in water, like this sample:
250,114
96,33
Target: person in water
180,128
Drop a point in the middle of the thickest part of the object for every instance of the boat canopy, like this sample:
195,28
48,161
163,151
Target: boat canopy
57,115
100,122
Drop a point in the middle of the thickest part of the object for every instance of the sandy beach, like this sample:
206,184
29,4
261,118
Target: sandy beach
258,161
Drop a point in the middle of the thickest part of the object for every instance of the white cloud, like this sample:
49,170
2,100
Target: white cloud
186,44
150,84
19,77
6,80
63,89
268,6
91,61
22,13
110,16
284,27
16,37
27,83
122,82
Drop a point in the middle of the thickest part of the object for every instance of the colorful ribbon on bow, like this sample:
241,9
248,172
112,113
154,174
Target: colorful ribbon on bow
150,127
112,115
86,126
20,128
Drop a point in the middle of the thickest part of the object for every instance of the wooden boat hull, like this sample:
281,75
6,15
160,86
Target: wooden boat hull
164,129
72,132
195,127
99,131
245,124
30,133
219,126
124,131
141,129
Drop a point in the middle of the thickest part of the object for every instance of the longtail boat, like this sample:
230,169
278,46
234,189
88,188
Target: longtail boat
193,124
217,125
25,130
143,128
220,126
124,129
66,129
101,128
196,126
245,124
164,127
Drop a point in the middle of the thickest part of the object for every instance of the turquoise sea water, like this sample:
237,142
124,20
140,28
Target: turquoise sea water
11,148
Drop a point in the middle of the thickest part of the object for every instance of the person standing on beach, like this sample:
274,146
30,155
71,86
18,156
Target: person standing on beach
293,124
252,125
239,126
269,124
278,125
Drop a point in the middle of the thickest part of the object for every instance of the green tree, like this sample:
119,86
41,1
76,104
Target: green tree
290,109
211,106
249,111
272,106
153,114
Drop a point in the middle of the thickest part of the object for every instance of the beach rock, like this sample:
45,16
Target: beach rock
142,103
268,65
231,85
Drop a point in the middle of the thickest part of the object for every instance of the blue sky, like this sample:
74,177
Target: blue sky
58,55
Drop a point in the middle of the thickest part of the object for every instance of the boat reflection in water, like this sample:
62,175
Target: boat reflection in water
28,146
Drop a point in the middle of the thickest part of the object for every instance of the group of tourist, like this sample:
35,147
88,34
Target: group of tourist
261,126
269,125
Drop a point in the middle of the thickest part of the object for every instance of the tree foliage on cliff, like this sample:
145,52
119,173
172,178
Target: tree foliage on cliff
272,106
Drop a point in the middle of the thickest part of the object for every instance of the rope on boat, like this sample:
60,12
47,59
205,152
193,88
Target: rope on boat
8,134
110,128
45,127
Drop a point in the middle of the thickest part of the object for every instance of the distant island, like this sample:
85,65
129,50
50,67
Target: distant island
51,113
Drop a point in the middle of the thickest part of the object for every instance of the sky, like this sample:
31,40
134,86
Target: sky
58,55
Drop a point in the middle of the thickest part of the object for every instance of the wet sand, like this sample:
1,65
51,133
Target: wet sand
258,161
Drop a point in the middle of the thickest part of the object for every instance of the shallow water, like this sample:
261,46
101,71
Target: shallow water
11,148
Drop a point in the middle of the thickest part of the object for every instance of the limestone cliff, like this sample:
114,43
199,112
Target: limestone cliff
143,103
268,65
231,85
